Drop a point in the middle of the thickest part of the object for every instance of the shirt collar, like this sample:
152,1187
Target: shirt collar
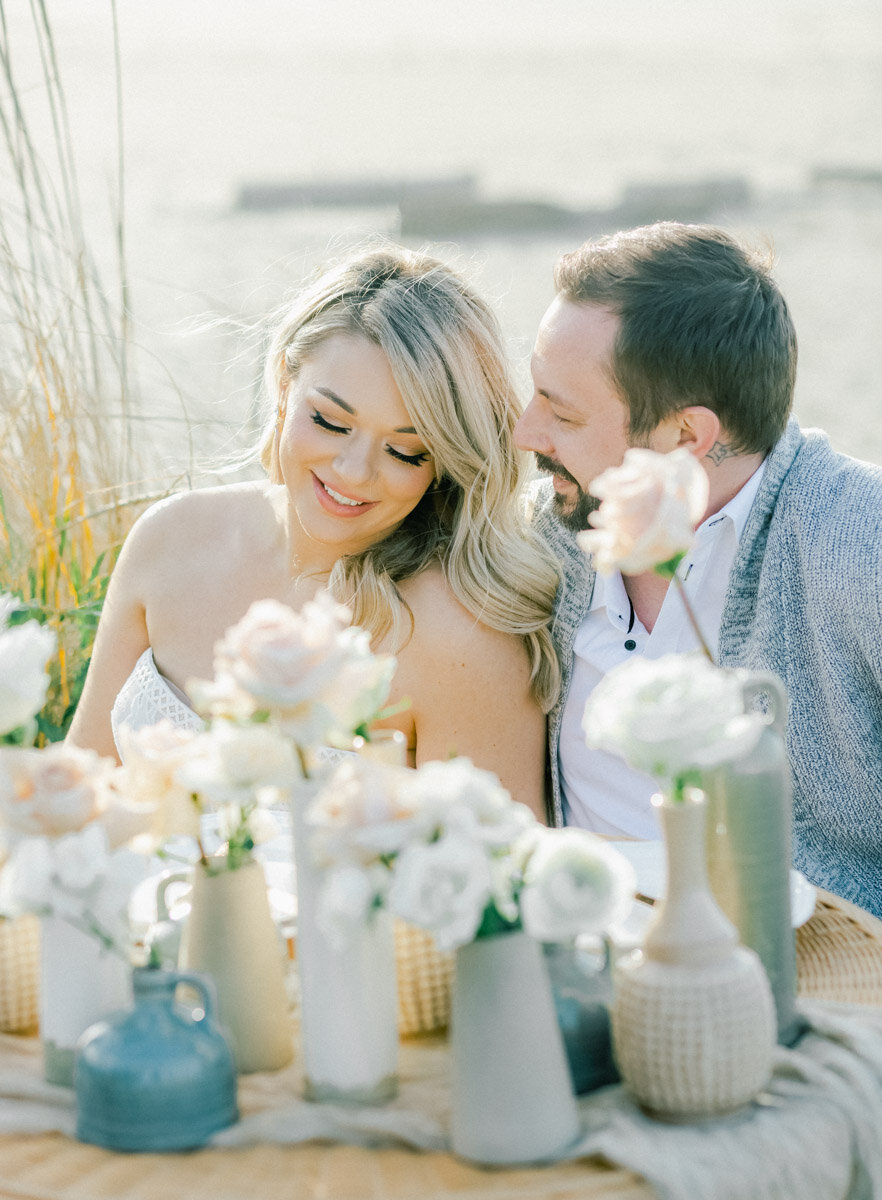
610,590
738,508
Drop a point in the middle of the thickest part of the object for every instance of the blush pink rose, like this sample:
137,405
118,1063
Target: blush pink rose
650,506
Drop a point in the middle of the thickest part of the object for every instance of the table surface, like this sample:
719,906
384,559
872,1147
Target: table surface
839,955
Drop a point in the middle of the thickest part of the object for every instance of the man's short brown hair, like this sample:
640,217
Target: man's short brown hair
702,322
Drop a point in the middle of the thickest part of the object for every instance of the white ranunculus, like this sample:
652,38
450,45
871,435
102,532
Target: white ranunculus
574,883
650,507
53,791
443,887
24,651
458,797
346,899
670,715
26,878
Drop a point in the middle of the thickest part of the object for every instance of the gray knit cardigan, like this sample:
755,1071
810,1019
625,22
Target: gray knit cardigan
805,601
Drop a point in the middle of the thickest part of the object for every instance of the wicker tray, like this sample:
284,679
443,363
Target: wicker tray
19,974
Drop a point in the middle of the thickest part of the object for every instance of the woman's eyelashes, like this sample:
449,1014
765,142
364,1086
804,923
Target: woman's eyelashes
412,460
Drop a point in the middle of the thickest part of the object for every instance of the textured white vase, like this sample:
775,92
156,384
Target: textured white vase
512,1094
693,1017
230,935
80,982
348,996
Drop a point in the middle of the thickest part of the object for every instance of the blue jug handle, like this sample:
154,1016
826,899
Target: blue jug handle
206,989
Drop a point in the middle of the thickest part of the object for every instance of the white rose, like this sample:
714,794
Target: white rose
443,887
361,813
650,507
24,652
284,659
574,883
152,756
359,689
670,715
53,791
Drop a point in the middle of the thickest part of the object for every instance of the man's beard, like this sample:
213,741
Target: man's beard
573,514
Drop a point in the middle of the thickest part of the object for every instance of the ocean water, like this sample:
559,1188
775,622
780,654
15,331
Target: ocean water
568,101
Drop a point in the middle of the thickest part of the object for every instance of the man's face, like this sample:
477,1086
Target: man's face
575,423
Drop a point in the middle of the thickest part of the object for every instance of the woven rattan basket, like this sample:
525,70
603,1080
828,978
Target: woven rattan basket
424,980
19,974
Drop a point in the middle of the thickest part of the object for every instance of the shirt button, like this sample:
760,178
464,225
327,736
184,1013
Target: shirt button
630,644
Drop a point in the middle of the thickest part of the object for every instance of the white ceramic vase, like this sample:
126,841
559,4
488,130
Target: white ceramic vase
512,1094
230,935
348,996
80,982
693,1016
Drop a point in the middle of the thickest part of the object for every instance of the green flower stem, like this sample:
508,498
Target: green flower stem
692,620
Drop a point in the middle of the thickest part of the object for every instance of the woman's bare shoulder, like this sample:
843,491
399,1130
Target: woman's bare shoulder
445,630
197,526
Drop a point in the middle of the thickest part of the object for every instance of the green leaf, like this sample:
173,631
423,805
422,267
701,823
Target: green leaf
668,569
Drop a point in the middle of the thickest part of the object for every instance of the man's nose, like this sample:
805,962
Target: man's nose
531,429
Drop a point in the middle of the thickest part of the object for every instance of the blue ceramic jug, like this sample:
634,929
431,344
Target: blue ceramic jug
155,1077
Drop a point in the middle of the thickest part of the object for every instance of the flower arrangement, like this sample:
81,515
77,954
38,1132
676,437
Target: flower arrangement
66,821
287,687
446,848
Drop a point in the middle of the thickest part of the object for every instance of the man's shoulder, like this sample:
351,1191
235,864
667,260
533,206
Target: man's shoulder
835,485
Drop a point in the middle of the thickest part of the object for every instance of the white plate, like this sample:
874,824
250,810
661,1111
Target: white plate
648,860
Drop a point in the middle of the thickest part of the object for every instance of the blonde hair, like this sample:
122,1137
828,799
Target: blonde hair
445,352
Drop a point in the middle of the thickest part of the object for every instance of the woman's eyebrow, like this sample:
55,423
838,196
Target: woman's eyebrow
348,408
336,399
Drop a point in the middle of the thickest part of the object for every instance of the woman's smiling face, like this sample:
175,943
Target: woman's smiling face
352,463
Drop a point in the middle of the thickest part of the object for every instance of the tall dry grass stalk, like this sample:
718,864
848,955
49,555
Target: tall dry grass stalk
66,421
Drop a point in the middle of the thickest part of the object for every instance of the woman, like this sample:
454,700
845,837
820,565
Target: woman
394,481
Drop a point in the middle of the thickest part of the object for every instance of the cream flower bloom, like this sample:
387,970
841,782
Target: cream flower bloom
24,652
443,887
574,883
650,507
670,715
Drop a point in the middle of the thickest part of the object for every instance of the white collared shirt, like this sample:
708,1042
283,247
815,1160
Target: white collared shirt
600,791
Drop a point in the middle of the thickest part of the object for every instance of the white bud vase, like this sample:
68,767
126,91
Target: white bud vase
512,1093
348,996
81,981
230,935
693,1018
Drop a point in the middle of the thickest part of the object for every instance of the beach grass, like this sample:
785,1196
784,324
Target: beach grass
69,454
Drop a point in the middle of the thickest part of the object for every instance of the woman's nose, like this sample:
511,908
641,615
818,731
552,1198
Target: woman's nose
356,460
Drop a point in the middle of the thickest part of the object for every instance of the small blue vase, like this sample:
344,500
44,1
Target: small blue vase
154,1077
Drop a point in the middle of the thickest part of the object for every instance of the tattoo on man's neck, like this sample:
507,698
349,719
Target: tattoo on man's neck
720,451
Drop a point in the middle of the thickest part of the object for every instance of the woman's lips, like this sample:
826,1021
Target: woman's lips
340,508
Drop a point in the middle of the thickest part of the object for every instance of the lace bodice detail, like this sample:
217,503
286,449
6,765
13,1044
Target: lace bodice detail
147,697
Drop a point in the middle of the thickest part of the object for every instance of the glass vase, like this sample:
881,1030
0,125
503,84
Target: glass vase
348,995
80,982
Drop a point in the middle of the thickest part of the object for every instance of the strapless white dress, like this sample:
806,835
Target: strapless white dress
147,697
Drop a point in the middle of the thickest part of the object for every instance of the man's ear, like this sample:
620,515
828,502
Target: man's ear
699,429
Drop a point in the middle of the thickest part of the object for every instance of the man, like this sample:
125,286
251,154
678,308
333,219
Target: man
674,335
